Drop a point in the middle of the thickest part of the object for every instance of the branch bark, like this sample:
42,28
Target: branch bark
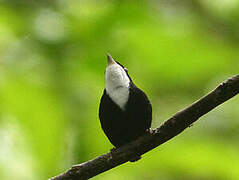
172,127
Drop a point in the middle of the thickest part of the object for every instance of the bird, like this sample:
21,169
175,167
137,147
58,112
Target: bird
125,112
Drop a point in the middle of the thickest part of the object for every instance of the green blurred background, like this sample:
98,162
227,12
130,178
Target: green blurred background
52,62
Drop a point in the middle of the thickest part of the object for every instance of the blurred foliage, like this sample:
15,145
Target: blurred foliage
52,61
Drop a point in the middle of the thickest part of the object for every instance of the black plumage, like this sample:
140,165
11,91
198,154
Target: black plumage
122,126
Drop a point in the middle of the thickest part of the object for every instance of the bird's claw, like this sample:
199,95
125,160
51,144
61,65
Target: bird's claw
111,153
149,130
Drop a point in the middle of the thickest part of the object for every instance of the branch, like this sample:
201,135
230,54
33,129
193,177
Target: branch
172,127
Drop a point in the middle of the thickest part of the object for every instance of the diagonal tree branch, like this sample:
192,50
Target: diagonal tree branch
172,127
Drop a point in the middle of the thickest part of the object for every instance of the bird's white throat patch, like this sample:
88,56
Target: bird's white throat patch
117,84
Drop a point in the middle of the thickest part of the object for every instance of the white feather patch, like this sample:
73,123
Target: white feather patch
117,84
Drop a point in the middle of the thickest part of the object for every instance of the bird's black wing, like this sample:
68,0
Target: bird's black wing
139,111
124,126
111,119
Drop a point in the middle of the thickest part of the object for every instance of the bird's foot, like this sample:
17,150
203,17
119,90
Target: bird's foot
150,131
111,153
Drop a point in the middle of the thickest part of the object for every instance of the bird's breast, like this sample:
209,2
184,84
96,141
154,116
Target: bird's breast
119,96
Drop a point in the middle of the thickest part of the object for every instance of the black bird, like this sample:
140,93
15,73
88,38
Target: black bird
125,111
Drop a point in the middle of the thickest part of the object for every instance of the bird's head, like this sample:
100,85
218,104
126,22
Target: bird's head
116,75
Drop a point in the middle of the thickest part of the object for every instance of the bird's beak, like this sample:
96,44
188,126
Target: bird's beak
110,60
